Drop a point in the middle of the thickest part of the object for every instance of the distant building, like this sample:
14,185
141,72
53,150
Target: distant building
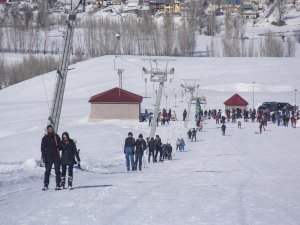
249,15
236,101
165,6
115,103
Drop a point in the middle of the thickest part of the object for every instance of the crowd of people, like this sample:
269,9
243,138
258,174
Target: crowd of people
134,151
281,118
62,152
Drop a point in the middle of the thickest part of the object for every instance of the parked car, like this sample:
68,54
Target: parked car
275,106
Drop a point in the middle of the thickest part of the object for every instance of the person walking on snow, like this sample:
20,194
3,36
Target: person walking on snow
177,144
182,144
140,147
194,134
189,133
184,114
158,148
223,128
129,151
151,146
50,156
69,152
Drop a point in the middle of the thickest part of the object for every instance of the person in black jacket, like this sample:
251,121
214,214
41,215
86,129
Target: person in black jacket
140,147
50,156
158,148
129,151
69,151
151,146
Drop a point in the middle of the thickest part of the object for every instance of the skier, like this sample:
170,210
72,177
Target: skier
223,128
69,151
151,146
193,134
129,150
158,145
184,114
50,156
140,147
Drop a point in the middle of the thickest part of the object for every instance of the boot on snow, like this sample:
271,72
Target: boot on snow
45,188
63,182
70,181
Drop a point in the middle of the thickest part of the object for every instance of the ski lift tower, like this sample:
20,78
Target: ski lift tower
62,70
159,75
190,86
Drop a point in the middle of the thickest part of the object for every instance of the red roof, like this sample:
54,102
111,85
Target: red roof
236,100
116,95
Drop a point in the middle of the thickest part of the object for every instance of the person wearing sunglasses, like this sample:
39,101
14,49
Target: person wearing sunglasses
69,152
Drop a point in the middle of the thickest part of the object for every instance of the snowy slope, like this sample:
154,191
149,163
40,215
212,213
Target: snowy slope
242,178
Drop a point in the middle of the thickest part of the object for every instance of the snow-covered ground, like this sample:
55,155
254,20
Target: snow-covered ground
240,178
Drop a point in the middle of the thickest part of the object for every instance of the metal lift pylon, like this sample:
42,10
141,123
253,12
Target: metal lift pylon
62,71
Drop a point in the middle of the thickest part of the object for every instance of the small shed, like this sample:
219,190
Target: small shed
235,102
115,103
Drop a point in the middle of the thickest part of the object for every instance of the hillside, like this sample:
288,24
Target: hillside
240,178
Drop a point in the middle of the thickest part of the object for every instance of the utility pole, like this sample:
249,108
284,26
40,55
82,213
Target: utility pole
296,102
190,86
62,71
166,102
253,95
119,71
159,75
146,88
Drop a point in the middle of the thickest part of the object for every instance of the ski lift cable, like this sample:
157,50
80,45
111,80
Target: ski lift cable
45,90
121,57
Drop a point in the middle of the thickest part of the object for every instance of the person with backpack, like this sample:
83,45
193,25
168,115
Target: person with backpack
129,151
50,156
140,147
69,152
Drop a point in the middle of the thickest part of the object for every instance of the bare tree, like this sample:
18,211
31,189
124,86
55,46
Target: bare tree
290,47
272,47
280,11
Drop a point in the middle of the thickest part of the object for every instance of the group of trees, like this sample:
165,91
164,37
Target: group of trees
141,36
23,31
30,66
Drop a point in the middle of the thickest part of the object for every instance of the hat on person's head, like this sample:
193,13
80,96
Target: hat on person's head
130,134
140,136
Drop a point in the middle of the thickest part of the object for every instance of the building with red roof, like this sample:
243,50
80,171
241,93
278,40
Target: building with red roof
236,101
115,103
